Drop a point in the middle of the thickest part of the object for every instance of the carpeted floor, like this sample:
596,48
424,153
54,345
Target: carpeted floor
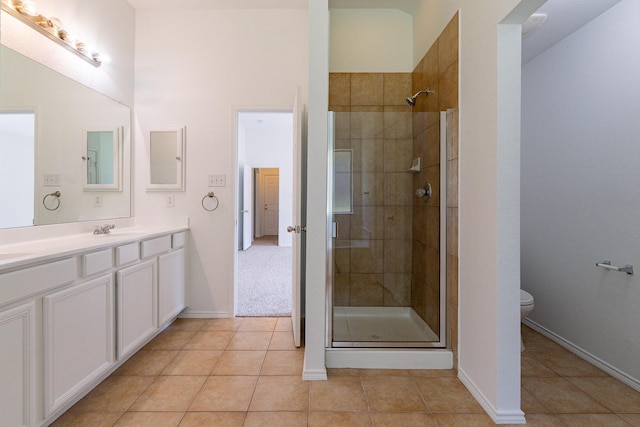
264,279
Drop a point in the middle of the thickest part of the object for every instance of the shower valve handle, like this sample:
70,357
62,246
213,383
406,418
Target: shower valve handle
425,192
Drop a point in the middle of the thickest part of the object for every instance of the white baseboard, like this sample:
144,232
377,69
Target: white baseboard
195,314
498,417
314,374
388,359
585,355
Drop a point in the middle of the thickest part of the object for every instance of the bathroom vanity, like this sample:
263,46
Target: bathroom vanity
74,308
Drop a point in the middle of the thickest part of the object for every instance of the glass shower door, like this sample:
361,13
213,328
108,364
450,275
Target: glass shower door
386,288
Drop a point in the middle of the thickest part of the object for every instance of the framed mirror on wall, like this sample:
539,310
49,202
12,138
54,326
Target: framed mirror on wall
103,158
167,159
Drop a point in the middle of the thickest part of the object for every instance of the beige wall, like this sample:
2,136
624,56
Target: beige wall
370,40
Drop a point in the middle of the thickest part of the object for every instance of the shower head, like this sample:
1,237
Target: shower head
412,99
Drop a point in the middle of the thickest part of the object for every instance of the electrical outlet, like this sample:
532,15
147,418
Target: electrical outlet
217,180
97,200
171,200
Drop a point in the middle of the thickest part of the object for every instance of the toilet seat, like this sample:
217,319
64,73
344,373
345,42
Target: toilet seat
525,298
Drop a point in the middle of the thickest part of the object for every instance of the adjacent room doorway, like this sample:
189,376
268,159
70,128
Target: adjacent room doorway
265,200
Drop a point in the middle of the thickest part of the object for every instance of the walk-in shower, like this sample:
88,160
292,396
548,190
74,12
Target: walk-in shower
388,226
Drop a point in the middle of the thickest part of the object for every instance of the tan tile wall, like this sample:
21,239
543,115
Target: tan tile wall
372,260
437,71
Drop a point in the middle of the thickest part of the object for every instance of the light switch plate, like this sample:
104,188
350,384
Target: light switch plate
52,180
217,180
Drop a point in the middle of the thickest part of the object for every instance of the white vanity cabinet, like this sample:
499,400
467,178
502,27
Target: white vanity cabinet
136,313
68,320
17,365
171,289
78,339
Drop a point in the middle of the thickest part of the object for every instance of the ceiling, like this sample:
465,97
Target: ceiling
564,17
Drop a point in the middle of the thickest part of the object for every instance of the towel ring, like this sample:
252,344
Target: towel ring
211,196
55,194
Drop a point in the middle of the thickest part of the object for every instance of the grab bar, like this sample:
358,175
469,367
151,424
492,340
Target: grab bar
607,264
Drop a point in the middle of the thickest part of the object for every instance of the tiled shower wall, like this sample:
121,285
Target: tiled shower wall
438,71
372,254
387,250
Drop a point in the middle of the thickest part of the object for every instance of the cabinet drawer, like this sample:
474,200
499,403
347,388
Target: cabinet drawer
127,253
30,281
178,240
155,246
97,262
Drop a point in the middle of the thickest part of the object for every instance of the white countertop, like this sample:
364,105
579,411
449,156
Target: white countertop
37,251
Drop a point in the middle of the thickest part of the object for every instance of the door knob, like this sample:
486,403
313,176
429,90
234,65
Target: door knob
292,229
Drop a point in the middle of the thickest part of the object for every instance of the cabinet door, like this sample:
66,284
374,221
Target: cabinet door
78,339
17,346
136,291
170,285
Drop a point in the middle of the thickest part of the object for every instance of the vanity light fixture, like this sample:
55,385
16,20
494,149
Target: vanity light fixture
27,12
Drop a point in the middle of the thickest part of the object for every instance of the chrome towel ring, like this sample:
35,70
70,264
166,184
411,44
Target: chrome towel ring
210,195
55,194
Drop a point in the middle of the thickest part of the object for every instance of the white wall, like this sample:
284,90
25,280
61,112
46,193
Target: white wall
198,68
371,40
580,198
107,25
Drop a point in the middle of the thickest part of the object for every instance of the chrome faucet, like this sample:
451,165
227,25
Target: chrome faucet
105,229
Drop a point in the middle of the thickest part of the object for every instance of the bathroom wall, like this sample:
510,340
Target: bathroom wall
195,68
373,250
437,71
370,40
580,189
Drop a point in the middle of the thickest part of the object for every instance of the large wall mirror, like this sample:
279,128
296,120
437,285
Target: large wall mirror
59,137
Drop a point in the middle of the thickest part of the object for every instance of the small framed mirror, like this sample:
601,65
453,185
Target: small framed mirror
102,158
166,159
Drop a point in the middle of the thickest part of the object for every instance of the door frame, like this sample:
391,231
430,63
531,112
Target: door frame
260,201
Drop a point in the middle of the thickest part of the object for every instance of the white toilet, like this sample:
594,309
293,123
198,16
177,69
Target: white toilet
526,307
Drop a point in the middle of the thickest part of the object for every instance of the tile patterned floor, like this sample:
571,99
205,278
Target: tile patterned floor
246,372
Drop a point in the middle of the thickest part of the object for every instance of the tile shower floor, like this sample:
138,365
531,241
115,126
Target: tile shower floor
246,372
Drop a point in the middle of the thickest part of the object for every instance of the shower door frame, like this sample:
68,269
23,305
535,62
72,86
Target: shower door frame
331,230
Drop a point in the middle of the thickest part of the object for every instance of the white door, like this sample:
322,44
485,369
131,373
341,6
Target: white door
247,208
271,204
297,227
